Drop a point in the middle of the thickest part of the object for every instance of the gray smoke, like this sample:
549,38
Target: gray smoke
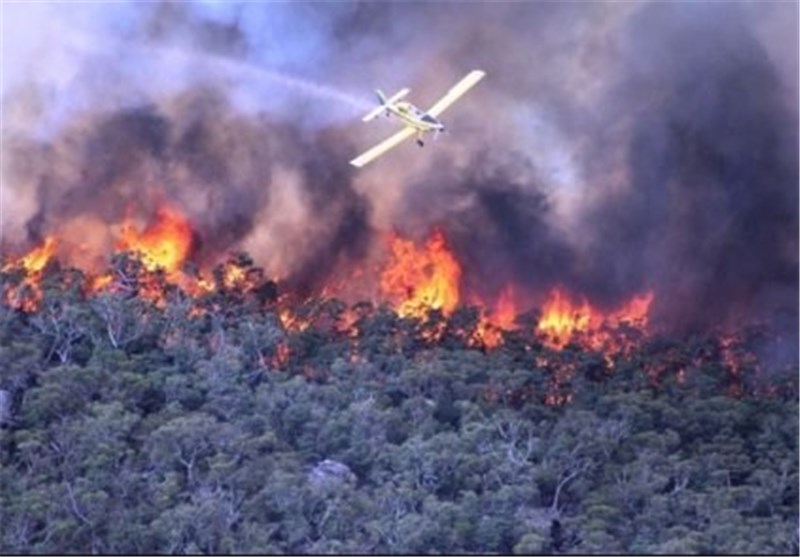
710,216
613,148
201,155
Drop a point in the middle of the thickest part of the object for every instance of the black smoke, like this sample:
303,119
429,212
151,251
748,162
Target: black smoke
214,164
690,161
675,121
710,218
499,222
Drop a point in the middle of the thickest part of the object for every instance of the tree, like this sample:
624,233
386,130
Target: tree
124,318
187,442
62,325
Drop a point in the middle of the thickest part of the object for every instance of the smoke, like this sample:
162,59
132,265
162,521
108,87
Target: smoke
498,220
613,148
709,216
216,164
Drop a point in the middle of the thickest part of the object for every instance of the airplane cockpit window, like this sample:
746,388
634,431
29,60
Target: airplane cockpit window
428,118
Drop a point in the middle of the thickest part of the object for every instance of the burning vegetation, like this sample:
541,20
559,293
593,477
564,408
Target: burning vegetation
681,223
26,293
420,287
568,326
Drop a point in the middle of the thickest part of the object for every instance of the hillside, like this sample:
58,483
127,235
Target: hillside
147,420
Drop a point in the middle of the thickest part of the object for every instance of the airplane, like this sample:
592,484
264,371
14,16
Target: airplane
416,121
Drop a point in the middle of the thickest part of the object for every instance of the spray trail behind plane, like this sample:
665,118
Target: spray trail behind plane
215,64
238,68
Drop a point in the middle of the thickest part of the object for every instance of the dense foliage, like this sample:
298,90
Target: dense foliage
157,428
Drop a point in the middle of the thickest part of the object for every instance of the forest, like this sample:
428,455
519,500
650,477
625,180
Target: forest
139,418
569,325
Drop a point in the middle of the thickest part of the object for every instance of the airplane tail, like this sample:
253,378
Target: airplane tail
384,103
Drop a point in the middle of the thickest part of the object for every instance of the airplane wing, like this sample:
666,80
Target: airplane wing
382,147
455,92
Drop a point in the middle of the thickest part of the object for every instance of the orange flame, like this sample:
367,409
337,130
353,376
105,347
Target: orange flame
562,317
421,279
37,258
292,321
163,244
28,294
233,275
491,325
100,282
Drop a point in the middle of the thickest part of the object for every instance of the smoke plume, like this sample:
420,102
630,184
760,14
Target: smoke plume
614,148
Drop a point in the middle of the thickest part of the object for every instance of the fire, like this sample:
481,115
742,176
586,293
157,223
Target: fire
37,258
292,321
502,318
635,312
418,277
562,317
164,244
100,282
421,279
233,275
27,294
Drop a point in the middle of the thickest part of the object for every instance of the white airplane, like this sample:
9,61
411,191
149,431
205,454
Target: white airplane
416,121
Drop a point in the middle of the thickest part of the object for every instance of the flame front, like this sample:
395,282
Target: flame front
502,318
27,295
164,244
416,279
419,280
563,317
36,260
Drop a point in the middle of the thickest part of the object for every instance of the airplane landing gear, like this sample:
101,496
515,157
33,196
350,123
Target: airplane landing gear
420,143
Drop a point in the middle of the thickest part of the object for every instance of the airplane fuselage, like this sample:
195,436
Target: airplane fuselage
415,121
414,117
